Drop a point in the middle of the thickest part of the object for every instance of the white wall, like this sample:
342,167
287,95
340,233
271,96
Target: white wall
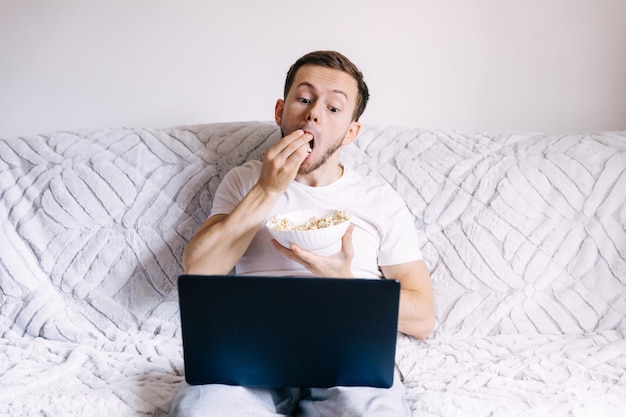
466,65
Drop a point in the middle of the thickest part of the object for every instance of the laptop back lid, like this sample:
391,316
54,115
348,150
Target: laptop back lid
288,332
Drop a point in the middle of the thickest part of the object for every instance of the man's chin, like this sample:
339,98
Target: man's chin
305,169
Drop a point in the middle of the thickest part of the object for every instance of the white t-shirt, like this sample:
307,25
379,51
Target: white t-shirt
384,232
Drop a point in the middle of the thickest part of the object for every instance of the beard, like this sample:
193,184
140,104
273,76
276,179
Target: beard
303,170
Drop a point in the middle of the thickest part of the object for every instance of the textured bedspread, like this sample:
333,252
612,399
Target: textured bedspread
518,375
525,235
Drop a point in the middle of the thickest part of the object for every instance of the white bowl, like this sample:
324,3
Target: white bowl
324,241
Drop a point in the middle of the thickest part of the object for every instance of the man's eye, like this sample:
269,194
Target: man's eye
333,109
304,100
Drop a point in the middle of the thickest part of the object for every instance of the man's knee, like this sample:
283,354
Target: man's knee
221,400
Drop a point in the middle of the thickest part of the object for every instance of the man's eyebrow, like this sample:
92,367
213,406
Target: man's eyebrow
309,85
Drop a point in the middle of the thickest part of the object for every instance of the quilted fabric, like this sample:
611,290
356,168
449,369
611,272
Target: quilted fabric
524,232
525,235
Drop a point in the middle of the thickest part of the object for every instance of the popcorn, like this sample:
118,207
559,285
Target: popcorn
314,223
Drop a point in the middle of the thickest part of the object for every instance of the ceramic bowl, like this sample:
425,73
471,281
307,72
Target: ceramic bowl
324,240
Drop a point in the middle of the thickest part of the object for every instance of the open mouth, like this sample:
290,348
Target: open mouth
312,141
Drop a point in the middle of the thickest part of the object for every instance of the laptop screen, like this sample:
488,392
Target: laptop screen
288,332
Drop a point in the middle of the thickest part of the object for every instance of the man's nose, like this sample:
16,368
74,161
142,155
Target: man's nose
313,115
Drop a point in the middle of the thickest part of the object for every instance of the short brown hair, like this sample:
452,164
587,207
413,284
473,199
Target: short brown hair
335,60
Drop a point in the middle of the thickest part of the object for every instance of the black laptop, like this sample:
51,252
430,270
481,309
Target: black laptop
288,332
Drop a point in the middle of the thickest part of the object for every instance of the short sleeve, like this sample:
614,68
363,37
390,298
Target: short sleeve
399,238
236,184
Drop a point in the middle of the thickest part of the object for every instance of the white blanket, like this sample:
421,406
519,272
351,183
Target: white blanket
525,235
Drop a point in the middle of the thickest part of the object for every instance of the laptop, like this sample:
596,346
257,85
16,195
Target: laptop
288,332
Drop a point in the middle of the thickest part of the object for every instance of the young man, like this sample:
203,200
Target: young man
323,99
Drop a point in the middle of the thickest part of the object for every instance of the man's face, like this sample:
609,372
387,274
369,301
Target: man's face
321,102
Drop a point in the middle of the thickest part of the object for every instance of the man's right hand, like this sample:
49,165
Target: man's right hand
282,161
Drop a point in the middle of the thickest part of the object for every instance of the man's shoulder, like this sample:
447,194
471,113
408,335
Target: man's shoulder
371,180
251,164
242,177
248,168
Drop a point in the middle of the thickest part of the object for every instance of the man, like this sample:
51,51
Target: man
323,99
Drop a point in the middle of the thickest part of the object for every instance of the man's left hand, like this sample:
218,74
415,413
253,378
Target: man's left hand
337,265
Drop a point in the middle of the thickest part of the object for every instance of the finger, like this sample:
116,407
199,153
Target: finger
287,156
282,161
295,135
297,149
286,251
346,242
304,256
279,247
289,253
290,143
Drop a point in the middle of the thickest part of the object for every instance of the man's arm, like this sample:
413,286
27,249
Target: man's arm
417,311
223,239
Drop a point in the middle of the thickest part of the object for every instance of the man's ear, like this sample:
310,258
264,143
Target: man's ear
278,111
352,133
